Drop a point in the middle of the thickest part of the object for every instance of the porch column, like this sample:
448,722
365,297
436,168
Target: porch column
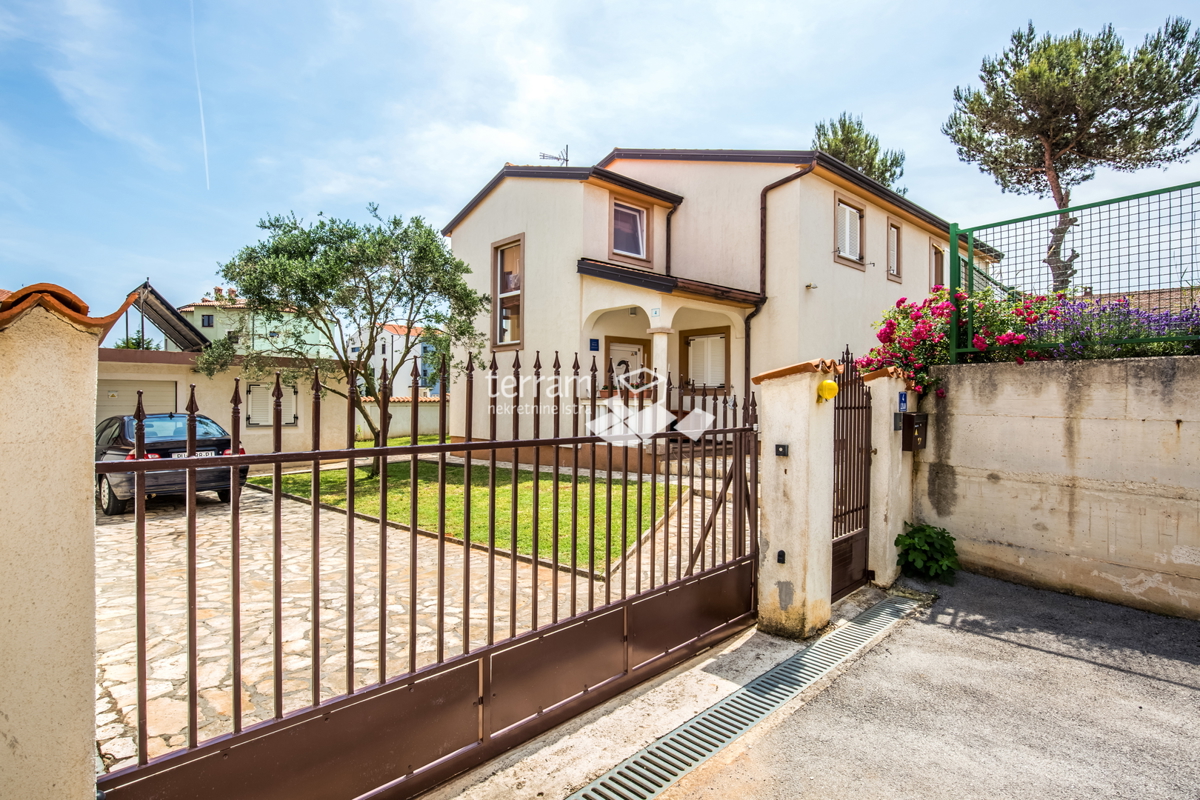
660,346
48,365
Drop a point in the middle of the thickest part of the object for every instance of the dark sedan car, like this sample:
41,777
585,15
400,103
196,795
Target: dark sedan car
166,438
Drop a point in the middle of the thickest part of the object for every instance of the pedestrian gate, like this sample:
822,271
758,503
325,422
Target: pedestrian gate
852,479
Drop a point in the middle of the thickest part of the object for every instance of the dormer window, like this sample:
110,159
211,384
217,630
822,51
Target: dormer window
629,230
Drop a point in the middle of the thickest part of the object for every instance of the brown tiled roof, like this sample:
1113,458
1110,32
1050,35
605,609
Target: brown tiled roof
4,293
14,305
402,330
212,304
828,366
1175,299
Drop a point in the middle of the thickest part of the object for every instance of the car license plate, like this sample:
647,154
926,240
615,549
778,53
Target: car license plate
199,454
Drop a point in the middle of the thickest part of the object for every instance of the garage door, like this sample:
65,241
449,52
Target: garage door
114,398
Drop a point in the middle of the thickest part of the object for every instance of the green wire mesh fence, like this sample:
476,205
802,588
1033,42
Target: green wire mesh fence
1124,275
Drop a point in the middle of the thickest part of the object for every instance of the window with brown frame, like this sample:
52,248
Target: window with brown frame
937,266
704,357
849,233
508,291
629,230
893,250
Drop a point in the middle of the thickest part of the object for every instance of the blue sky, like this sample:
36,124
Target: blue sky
326,106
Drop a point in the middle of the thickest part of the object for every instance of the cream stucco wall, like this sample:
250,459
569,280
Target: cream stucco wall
1079,476
715,232
213,396
549,212
797,321
47,567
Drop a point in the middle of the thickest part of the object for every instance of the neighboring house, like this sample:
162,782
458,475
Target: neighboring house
165,377
714,265
392,341
227,317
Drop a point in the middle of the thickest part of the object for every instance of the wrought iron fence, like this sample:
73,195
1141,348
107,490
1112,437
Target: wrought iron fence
1126,271
316,591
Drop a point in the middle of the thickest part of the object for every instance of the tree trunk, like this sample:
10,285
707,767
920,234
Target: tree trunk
1060,268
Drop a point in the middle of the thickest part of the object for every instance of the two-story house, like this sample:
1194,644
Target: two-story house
714,265
226,317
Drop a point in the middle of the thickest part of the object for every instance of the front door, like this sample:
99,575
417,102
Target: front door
625,357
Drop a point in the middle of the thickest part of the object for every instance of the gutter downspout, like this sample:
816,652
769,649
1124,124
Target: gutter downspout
674,208
762,258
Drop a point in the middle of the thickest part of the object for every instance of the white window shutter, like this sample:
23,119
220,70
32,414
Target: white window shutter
258,404
706,360
716,361
893,247
848,227
843,234
853,247
289,406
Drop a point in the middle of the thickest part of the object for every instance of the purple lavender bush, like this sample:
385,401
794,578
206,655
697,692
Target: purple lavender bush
1084,329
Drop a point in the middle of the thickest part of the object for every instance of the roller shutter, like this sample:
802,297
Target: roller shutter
114,398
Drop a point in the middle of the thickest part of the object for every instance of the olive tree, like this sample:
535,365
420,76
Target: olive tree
327,288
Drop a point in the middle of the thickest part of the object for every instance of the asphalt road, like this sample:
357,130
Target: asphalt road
997,691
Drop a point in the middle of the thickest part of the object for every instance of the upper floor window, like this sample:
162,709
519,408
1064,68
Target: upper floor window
893,250
849,234
937,266
508,291
206,320
629,230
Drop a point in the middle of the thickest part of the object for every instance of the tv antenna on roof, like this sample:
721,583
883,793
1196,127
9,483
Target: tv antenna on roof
560,158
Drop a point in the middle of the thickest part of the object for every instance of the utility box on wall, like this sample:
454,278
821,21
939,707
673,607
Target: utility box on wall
914,428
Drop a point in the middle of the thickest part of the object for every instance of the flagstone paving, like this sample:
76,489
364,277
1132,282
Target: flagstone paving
167,604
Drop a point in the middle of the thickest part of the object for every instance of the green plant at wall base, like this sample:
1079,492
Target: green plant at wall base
927,552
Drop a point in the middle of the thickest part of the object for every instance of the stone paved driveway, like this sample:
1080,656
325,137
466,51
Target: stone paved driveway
166,599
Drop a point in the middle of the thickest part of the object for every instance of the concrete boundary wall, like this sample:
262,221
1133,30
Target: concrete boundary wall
1081,476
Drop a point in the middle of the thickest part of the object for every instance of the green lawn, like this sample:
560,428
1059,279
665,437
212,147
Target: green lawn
403,441
366,500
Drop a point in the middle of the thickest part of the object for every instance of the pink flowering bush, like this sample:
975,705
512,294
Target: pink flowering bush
915,336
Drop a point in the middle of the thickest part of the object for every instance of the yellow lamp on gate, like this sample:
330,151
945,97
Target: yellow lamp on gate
826,390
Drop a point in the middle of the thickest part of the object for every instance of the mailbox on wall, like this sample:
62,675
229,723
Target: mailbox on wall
914,428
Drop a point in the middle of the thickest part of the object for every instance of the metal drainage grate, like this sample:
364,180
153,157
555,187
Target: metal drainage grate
649,773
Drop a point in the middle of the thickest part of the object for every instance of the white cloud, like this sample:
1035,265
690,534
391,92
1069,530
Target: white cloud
98,68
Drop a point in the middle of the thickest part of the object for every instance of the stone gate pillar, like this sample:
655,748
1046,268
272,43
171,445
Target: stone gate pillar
48,357
795,500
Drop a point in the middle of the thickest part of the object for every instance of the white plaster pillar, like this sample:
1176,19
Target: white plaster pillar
48,365
796,503
660,350
891,478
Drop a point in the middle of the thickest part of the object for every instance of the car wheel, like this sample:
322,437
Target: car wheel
110,504
224,495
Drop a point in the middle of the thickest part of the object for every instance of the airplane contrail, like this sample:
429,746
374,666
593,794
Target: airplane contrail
199,94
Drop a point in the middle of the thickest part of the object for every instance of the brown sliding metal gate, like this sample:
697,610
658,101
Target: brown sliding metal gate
852,479
493,589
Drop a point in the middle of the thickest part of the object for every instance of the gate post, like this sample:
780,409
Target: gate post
48,355
891,476
795,500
